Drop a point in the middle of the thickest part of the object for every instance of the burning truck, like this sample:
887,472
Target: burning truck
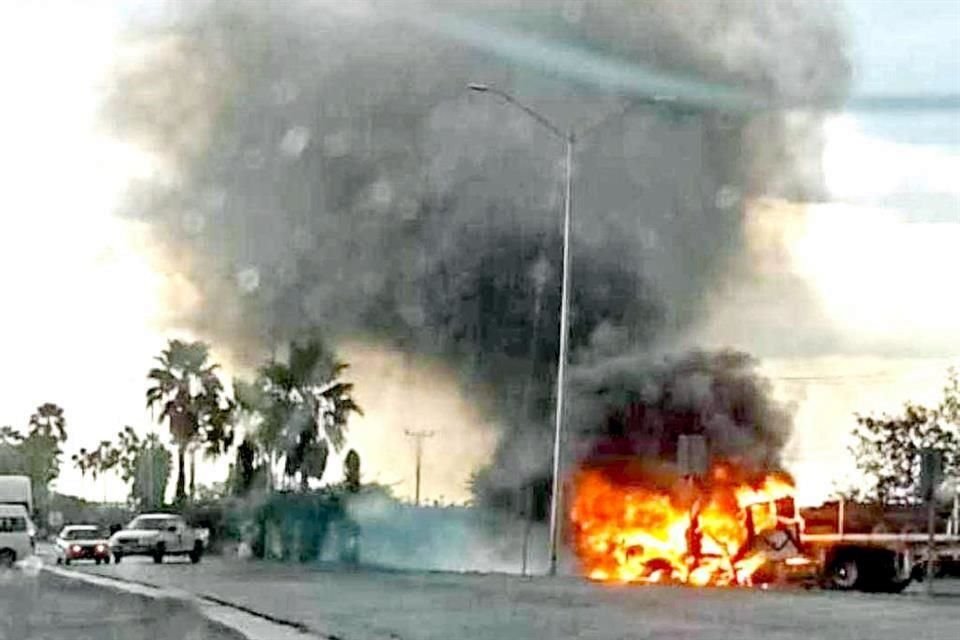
633,523
731,526
682,483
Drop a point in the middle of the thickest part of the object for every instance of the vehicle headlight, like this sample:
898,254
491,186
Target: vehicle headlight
101,548
75,548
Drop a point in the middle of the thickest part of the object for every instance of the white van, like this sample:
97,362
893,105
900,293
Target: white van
16,534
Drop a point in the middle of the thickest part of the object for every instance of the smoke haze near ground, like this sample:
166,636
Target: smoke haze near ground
321,164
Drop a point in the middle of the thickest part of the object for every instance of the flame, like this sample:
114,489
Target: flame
695,532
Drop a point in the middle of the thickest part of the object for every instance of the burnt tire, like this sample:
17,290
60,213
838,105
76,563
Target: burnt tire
844,573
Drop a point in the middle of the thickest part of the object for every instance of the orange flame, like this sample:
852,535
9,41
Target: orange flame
695,532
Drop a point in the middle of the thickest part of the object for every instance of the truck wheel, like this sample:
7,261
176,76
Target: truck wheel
67,562
843,573
106,559
97,560
7,558
117,558
196,553
59,560
158,553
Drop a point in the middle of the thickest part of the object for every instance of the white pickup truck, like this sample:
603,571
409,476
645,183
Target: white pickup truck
157,535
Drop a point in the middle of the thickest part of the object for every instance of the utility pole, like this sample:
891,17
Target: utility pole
418,437
956,509
931,470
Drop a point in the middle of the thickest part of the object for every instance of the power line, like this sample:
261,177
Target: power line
888,375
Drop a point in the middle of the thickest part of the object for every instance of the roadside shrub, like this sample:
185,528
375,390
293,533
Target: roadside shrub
294,526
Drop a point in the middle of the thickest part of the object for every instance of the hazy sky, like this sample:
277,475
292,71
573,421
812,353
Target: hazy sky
81,295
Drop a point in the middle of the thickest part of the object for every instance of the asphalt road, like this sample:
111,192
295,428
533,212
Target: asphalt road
35,605
362,605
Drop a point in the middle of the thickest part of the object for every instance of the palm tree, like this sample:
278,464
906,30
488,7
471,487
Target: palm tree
95,461
40,449
48,422
302,408
190,396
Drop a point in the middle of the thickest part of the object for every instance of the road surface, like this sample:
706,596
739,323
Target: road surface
35,605
363,605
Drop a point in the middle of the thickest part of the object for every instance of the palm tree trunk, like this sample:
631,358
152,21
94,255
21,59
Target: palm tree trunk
193,473
181,476
273,465
269,467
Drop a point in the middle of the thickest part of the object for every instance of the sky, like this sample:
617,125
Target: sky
82,293
883,254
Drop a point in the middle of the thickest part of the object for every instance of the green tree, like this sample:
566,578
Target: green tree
190,397
887,448
300,408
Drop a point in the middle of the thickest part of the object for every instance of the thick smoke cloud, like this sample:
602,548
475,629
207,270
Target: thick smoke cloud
322,165
646,405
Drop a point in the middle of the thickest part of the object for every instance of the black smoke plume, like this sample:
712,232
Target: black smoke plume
321,164
646,405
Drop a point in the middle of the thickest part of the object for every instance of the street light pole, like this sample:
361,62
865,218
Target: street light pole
562,355
568,140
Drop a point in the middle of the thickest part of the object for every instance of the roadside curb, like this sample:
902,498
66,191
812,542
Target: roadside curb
250,624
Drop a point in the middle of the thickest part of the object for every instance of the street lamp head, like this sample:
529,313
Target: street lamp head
478,87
